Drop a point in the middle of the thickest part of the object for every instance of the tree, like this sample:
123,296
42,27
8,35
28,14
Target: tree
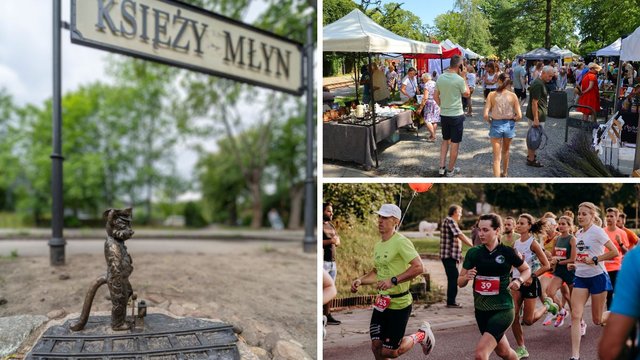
358,201
399,21
601,22
333,10
475,29
287,156
152,132
448,26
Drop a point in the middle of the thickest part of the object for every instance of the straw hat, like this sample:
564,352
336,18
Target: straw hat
595,66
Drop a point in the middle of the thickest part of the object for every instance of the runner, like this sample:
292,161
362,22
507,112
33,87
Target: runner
396,263
591,277
619,239
488,266
564,253
526,296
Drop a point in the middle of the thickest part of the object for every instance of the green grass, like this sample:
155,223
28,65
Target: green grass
432,246
11,220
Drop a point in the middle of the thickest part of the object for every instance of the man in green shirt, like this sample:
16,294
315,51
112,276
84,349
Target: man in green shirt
450,88
396,262
537,109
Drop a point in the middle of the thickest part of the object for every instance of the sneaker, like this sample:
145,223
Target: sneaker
332,321
442,171
560,318
583,327
549,319
551,306
324,327
456,305
453,172
522,352
429,340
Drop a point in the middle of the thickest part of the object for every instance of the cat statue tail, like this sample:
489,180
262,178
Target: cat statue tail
88,301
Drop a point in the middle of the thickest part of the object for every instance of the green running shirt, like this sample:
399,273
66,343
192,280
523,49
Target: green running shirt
391,258
497,263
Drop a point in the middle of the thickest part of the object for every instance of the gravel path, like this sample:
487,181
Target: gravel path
415,157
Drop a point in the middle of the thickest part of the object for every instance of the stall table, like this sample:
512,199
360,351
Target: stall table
355,143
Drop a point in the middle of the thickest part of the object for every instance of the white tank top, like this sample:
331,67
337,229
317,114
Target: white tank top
491,78
524,248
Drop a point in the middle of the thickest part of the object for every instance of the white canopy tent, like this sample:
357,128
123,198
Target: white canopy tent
612,50
356,32
472,55
630,48
630,51
447,44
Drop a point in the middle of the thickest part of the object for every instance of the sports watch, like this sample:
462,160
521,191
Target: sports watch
595,260
394,280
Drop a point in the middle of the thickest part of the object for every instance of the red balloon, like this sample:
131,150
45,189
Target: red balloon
420,187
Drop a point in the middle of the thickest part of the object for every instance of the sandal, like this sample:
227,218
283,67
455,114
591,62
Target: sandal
534,163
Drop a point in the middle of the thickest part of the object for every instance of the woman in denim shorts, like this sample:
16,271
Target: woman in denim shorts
502,111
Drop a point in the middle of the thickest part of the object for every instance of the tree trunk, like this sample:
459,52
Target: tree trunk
296,194
256,197
547,27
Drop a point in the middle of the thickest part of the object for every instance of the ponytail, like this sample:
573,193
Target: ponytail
506,82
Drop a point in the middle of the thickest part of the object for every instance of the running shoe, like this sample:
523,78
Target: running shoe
549,319
583,327
560,318
442,171
453,172
522,352
551,306
429,340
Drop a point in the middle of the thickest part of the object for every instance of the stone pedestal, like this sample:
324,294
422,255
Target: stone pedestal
163,337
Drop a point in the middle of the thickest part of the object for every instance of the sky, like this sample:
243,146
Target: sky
26,51
426,10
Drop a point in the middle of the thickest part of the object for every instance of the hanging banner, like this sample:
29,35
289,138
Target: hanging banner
182,35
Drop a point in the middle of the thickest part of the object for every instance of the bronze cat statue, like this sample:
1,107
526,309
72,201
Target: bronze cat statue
119,268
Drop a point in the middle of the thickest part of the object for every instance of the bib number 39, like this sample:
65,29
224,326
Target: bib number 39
382,302
487,285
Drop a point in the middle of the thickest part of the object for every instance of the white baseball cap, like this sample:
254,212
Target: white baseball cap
390,210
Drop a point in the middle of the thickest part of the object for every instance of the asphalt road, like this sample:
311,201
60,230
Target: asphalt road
543,343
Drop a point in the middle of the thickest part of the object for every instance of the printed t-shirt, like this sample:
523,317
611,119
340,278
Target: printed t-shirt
450,86
590,243
391,258
492,266
614,264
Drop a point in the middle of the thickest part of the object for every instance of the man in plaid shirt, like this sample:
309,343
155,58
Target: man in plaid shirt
451,251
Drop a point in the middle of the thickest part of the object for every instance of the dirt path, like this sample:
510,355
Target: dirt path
266,288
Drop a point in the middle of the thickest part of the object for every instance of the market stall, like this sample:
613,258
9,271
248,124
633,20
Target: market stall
357,33
431,62
356,141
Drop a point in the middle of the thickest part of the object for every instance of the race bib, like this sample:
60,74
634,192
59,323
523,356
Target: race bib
382,302
560,253
582,256
487,285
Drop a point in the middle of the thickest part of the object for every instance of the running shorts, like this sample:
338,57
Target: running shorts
596,284
495,322
563,273
532,291
389,326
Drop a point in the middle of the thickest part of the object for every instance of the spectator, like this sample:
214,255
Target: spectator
451,251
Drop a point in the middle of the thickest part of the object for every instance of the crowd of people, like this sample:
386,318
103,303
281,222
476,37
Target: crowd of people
520,269
444,100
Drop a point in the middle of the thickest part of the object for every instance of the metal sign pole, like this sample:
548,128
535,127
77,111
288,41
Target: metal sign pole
309,243
57,242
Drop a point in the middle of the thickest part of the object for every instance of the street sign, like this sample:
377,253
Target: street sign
182,35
